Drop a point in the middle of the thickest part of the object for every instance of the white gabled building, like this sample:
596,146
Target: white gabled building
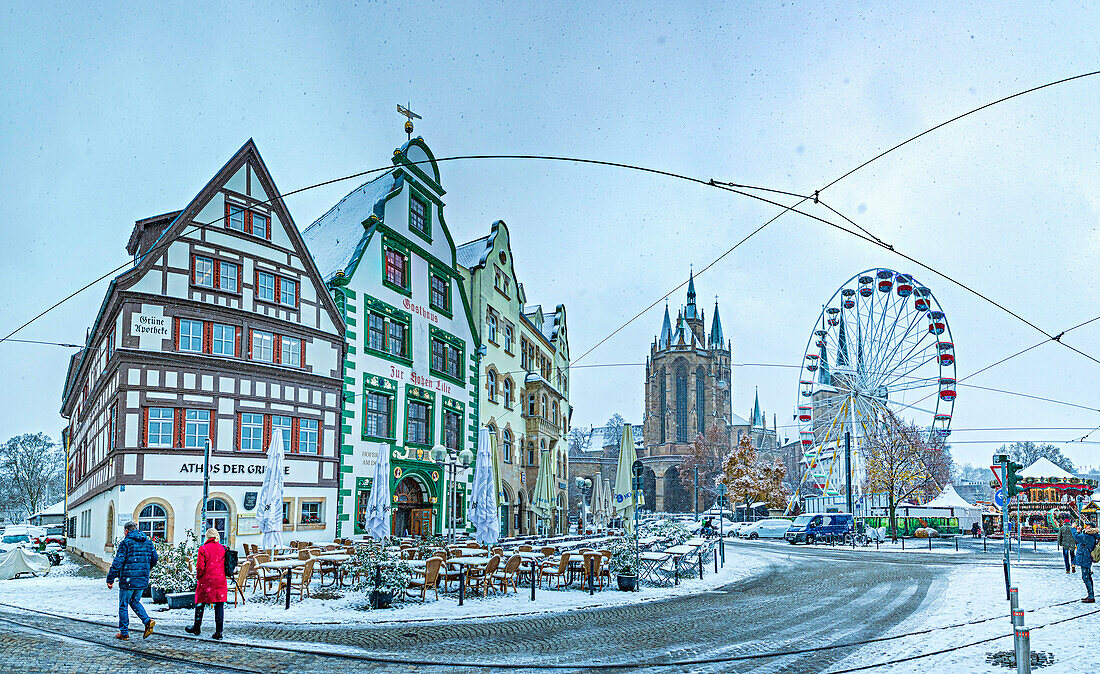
222,330
412,346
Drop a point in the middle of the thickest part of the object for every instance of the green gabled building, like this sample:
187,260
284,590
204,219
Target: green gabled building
411,371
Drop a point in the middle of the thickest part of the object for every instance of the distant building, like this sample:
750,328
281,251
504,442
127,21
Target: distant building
524,399
52,515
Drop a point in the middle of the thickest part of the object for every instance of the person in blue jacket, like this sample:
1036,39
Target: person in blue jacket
135,557
1086,541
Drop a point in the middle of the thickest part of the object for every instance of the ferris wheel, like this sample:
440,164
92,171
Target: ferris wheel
881,343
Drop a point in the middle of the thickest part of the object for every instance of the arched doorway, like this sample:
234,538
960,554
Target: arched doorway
505,512
412,514
677,498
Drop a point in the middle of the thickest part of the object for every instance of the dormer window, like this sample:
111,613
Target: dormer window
420,216
236,218
259,226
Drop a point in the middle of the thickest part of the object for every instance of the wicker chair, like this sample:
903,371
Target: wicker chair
483,577
302,585
242,581
430,578
508,575
556,570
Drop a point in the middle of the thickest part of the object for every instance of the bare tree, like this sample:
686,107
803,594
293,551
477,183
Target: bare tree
615,427
1029,452
580,438
707,454
902,461
32,467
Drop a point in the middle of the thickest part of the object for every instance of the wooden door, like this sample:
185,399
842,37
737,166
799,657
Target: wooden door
420,523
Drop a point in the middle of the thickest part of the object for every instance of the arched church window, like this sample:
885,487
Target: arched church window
681,404
663,420
700,399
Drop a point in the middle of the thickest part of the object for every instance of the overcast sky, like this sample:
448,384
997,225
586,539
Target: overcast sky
127,110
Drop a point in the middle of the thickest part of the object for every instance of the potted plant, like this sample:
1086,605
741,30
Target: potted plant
624,563
380,575
172,579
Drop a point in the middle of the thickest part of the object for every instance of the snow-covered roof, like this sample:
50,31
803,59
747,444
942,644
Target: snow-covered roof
949,498
56,509
474,253
1044,467
738,420
335,236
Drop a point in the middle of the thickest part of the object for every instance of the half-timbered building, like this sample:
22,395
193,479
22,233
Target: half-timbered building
220,331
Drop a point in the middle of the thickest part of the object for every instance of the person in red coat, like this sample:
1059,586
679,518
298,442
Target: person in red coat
210,583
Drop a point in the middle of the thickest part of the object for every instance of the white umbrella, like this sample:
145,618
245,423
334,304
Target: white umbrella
269,505
378,505
484,511
626,499
542,503
597,502
605,504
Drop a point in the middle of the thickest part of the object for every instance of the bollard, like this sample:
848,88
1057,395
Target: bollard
461,585
590,590
1014,597
903,542
716,561
700,567
1022,641
929,542
956,544
1017,617
722,549
532,580
983,545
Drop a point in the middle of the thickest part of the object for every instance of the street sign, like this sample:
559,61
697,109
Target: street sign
999,498
996,473
636,467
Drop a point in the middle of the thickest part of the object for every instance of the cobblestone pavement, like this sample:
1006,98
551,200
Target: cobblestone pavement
807,598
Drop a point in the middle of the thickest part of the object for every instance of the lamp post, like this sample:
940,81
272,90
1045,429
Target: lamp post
449,464
585,485
206,488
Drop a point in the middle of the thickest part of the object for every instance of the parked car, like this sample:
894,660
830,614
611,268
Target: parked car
11,541
812,527
56,534
770,528
739,528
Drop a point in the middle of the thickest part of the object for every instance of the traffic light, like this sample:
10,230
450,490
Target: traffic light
1012,484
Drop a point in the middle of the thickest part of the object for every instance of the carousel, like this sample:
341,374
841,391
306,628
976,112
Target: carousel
1050,495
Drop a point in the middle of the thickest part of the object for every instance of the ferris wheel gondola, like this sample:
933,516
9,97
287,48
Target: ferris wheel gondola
881,344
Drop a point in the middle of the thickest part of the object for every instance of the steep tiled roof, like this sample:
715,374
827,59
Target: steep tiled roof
474,254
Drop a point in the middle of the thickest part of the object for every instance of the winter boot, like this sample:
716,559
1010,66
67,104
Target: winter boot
219,618
197,627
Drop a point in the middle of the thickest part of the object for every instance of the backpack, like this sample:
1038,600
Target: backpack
230,562
1095,553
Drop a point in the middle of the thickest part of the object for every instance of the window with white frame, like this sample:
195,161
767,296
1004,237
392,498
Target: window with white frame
190,338
509,337
290,352
508,392
262,346
160,426
491,326
252,432
203,272
288,292
196,428
506,445
287,426
265,286
228,276
224,342
311,512
153,521
259,225
307,436
236,218
491,384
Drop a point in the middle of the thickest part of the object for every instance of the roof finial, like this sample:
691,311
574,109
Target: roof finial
411,116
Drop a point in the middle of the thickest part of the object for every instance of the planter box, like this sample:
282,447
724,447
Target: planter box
627,583
181,599
159,596
380,599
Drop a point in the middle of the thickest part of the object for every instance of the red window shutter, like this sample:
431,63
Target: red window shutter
143,440
176,334
177,427
217,274
237,346
248,221
249,345
277,349
237,445
298,293
226,214
208,337
267,430
192,268
295,427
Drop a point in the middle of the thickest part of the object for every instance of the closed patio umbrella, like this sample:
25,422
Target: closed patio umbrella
484,510
607,504
626,499
378,505
542,501
269,505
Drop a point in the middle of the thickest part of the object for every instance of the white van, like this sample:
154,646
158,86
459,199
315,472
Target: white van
773,528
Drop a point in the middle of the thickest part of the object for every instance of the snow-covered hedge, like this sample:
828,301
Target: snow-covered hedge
175,564
377,569
670,531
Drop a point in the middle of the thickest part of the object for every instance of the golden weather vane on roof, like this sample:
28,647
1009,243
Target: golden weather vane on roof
411,116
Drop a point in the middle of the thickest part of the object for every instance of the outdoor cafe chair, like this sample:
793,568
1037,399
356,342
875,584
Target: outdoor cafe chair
526,548
548,551
483,577
242,581
497,550
261,575
594,568
559,573
303,553
508,575
302,584
430,578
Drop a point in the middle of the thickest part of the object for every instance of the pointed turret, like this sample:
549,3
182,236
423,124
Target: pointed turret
666,330
690,313
757,416
842,345
716,337
824,376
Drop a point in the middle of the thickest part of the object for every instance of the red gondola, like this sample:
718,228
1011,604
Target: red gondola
833,321
947,395
936,326
811,368
947,359
885,281
804,413
820,343
848,304
811,356
865,291
905,285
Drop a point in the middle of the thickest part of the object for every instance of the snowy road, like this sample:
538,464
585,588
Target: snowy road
803,598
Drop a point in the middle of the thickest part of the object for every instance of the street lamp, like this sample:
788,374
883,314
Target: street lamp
585,485
450,464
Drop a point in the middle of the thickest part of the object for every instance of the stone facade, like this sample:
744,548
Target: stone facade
524,396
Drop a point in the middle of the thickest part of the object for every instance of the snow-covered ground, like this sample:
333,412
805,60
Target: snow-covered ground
63,592
975,592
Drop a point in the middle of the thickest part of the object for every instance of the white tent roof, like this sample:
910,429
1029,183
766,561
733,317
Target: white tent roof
949,498
1044,467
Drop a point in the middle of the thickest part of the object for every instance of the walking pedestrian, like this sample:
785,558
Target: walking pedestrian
133,560
210,584
1066,542
1086,541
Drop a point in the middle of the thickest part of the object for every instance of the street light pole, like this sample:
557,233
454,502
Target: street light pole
206,488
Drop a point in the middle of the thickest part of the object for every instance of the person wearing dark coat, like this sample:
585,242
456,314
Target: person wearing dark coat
210,584
1067,544
133,560
1086,540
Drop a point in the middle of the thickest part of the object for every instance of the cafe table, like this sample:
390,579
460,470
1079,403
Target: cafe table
649,561
466,562
289,565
